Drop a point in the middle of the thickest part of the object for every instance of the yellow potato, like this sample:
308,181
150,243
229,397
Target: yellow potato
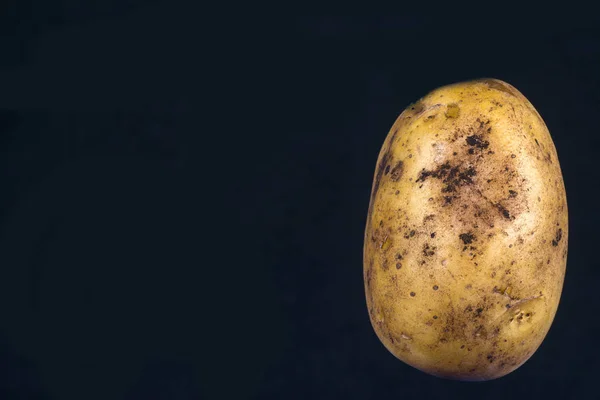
466,238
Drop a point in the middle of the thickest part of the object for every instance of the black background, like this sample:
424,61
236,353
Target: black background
184,196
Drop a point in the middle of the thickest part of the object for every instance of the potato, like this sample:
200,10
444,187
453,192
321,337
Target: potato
466,238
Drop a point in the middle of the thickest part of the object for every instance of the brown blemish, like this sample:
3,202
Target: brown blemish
397,171
467,238
428,218
503,211
453,177
412,294
428,251
435,287
477,141
557,238
432,235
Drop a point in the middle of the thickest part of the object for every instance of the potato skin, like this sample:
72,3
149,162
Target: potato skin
466,238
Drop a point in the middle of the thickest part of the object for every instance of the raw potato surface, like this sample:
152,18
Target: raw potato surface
466,238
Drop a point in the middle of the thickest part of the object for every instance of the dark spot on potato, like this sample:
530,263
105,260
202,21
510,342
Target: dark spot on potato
467,238
435,317
557,238
512,193
397,171
467,175
398,256
441,171
412,294
536,142
428,218
428,251
387,170
477,141
452,177
513,156
454,153
435,287
398,265
503,211
412,233
432,235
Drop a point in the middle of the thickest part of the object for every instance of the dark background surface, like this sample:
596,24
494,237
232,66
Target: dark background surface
184,196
